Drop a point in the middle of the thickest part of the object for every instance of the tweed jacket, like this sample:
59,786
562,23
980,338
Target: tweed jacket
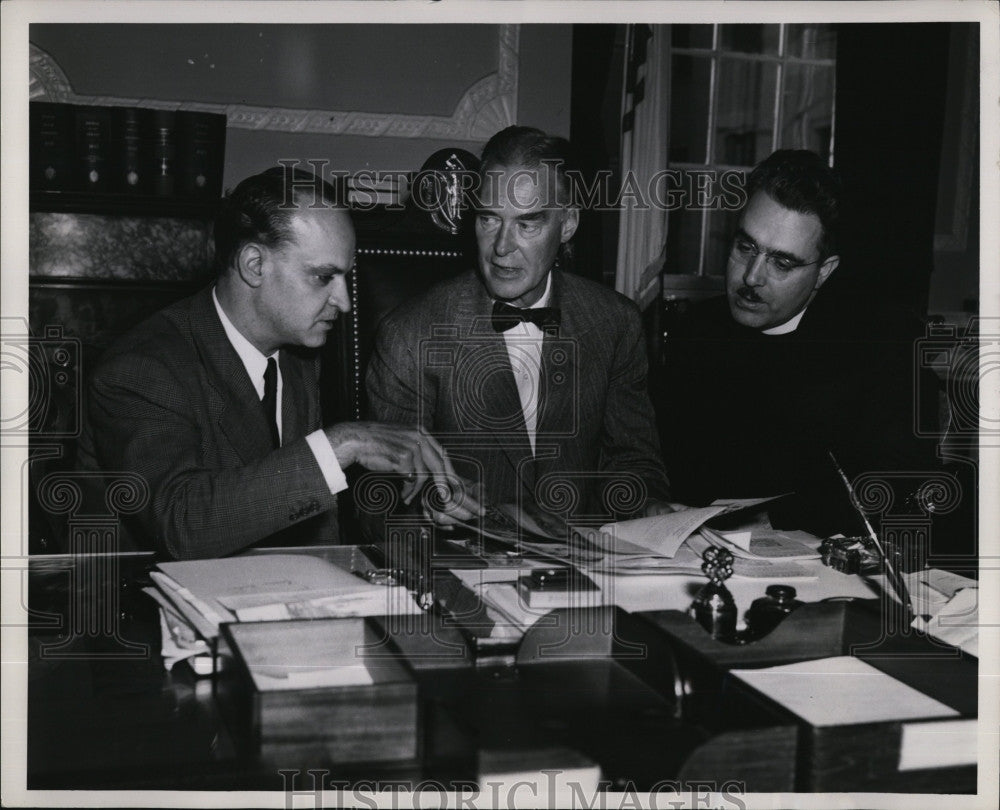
173,403
438,362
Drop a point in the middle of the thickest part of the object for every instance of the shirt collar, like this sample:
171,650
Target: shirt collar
546,296
253,360
788,326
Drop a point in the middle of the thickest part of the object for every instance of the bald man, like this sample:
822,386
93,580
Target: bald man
214,401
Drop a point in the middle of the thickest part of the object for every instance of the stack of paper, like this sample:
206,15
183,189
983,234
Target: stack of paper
747,564
673,543
765,543
180,641
946,607
207,593
664,544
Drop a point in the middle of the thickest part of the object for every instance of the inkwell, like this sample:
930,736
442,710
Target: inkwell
714,608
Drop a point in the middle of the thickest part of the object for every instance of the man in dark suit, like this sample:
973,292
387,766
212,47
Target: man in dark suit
533,379
214,400
761,385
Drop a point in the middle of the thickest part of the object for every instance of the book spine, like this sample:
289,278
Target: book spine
201,143
93,148
130,135
51,149
163,153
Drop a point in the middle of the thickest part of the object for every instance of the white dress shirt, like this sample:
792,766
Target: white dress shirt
256,364
524,349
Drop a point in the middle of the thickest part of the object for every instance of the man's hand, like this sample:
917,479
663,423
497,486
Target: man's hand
459,502
416,456
663,508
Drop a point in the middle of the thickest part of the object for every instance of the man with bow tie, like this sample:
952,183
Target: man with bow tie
532,378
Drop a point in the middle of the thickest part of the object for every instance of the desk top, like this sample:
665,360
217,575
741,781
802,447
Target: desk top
103,713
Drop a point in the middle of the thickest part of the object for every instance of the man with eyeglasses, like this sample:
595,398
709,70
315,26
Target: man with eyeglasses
763,384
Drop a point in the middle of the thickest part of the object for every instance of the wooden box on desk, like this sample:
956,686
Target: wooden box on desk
923,752
831,758
316,692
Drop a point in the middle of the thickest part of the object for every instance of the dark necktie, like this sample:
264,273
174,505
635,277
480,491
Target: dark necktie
505,316
270,400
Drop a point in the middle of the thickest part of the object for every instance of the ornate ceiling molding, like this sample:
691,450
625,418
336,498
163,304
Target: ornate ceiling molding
486,107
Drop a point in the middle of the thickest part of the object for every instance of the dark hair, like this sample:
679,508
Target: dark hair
801,181
260,209
529,148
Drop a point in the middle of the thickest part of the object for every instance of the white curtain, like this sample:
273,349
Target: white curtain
642,230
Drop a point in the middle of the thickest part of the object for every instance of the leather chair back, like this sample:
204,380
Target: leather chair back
393,265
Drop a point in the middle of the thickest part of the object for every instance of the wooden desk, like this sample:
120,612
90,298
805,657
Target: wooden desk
103,713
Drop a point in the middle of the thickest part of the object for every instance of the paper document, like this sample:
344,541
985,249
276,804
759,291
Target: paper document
169,592
746,565
941,744
841,691
179,639
956,622
663,534
278,678
562,775
653,544
272,586
766,543
301,655
784,544
646,545
391,600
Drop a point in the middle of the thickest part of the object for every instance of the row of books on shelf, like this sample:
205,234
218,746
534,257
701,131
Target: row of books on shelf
126,150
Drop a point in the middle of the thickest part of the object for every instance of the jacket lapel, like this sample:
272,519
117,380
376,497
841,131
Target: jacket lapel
237,407
561,368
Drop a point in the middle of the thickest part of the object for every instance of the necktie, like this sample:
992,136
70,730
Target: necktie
270,400
505,316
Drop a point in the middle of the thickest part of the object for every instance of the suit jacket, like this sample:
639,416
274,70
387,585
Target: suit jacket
747,414
438,362
172,402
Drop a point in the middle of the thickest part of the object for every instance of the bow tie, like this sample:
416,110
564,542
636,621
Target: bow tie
505,316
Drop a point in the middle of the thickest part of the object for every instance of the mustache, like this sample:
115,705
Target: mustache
749,294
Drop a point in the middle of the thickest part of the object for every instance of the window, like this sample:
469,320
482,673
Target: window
737,93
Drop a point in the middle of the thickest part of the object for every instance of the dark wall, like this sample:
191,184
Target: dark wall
891,90
595,131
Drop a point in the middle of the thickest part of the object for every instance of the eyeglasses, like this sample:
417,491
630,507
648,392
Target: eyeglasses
744,251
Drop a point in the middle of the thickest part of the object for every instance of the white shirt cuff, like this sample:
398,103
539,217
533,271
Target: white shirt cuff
327,460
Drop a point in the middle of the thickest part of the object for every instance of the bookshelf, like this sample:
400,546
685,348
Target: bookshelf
125,161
